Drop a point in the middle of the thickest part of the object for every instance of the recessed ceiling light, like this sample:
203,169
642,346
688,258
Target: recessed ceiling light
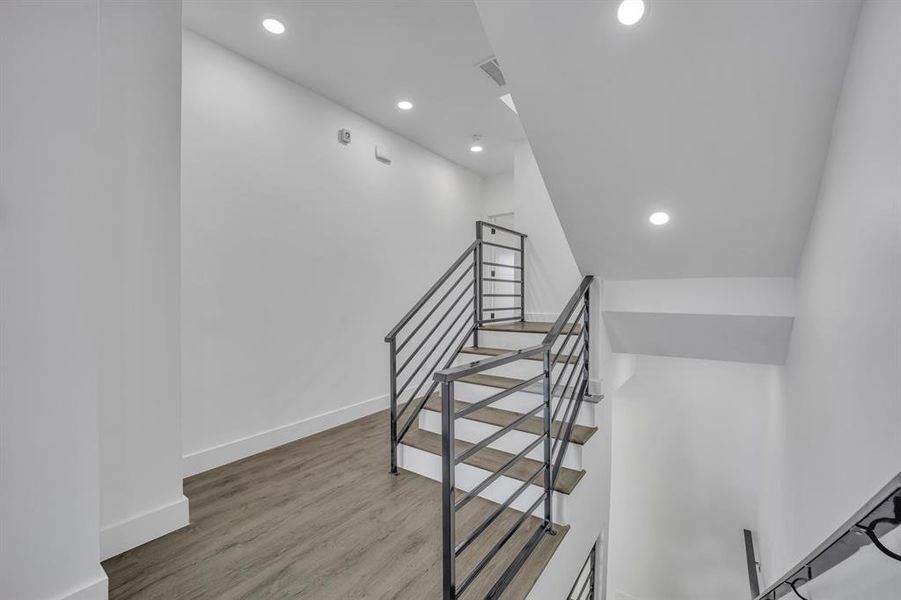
475,148
274,26
405,105
630,12
659,218
476,144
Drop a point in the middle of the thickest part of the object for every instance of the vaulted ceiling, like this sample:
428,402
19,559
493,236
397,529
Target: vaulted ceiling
719,113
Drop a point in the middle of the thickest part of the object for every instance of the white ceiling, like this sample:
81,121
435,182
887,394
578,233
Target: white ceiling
368,55
718,112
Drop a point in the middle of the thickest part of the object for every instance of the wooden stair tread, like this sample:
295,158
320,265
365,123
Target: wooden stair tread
530,327
492,459
504,383
501,418
483,351
496,381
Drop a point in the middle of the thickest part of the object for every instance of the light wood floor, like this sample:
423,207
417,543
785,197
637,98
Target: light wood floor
320,518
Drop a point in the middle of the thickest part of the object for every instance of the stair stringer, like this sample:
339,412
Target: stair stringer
588,515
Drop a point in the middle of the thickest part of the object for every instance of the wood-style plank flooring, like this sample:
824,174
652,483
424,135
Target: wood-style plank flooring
321,519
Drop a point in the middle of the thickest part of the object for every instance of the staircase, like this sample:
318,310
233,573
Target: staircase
492,406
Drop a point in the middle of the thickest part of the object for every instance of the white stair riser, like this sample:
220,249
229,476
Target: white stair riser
520,402
519,340
521,369
512,442
467,477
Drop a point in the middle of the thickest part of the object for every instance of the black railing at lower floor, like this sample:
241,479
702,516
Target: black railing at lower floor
584,585
875,519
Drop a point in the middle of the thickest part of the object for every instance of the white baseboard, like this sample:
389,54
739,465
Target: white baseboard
96,590
210,458
140,529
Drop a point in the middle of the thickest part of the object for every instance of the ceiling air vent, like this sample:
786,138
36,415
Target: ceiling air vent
493,70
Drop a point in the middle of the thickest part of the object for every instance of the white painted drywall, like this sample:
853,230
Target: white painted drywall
498,194
686,464
763,296
299,254
552,274
140,415
50,293
836,426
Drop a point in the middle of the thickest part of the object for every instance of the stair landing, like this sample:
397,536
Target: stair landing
320,518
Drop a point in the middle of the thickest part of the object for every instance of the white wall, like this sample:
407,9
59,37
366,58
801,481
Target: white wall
552,274
836,426
686,464
299,254
498,194
89,439
49,248
140,436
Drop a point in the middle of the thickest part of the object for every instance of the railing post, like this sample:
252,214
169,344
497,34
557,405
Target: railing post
548,482
522,278
448,533
587,363
477,279
392,371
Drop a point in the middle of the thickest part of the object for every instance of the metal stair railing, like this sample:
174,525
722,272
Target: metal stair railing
568,337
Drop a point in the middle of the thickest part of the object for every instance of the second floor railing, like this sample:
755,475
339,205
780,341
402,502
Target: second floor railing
471,292
563,391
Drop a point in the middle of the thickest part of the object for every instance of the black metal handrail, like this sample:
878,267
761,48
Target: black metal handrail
880,515
587,577
431,292
571,326
431,334
461,284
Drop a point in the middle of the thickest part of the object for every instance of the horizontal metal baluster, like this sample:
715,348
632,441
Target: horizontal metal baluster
566,437
474,492
501,228
434,308
496,513
434,327
500,295
494,264
466,330
566,386
496,435
498,320
514,248
516,564
435,347
502,394
562,350
576,386
499,280
568,366
426,376
425,297
565,340
500,308
500,544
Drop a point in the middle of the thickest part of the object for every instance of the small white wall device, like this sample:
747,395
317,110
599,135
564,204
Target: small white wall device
344,136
